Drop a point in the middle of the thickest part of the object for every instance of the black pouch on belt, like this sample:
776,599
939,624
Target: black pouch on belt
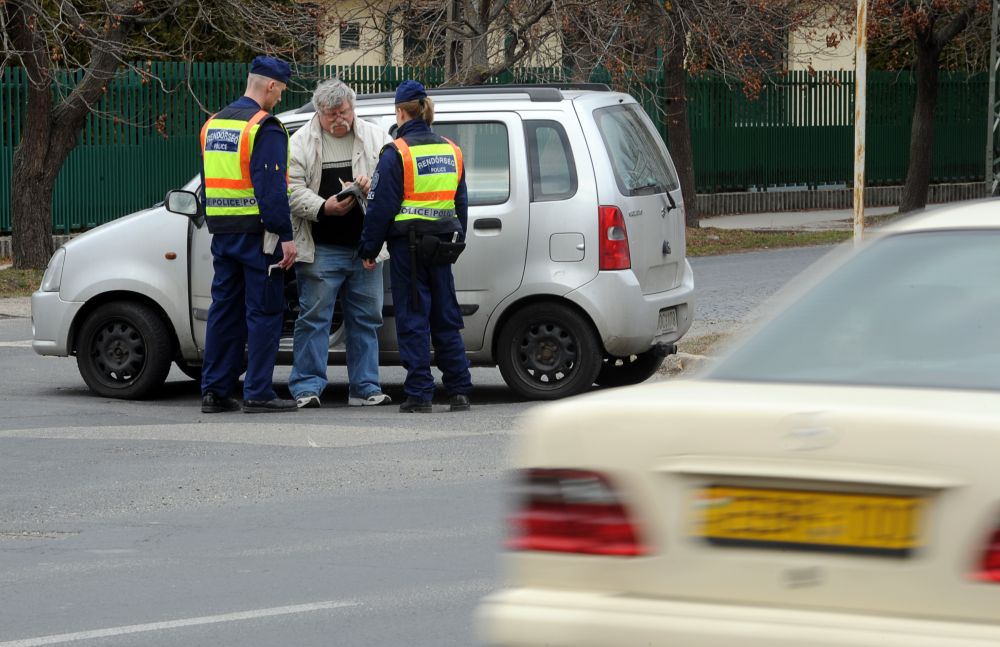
435,251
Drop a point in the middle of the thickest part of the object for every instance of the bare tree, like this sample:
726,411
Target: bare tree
474,40
919,32
70,52
742,39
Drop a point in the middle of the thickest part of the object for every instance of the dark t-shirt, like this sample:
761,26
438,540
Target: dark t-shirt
337,230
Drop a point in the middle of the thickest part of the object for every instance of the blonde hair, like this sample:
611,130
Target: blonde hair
419,109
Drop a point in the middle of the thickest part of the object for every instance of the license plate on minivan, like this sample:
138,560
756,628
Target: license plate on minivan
828,521
667,322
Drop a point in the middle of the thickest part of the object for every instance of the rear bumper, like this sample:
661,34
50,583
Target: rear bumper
535,617
626,319
51,322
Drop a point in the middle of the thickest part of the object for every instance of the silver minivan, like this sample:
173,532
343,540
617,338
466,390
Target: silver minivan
575,270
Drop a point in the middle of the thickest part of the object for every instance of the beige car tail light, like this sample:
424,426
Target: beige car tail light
572,511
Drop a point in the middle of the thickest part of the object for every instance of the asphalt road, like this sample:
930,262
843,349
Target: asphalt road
149,523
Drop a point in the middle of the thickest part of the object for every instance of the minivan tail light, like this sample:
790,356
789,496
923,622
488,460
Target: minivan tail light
571,511
613,239
989,563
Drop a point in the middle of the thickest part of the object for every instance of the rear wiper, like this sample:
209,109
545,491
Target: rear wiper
673,205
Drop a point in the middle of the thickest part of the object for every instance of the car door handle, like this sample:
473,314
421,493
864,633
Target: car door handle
488,223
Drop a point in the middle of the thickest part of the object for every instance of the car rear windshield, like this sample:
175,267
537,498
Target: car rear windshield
917,309
635,150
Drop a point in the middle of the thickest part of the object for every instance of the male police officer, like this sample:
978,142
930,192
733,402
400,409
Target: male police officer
418,195
245,165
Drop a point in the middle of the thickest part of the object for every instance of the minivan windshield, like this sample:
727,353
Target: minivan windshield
635,150
916,309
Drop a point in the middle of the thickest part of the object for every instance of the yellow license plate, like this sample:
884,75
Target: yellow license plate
809,520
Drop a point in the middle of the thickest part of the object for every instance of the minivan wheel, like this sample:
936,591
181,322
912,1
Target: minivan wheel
623,371
547,351
123,350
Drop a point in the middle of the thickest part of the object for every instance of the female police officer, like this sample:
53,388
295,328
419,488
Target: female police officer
418,196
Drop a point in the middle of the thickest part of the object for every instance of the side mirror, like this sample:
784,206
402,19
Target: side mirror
183,202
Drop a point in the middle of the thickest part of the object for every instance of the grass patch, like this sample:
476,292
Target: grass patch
19,283
711,241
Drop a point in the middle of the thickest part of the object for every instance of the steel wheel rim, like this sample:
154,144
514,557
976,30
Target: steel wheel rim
118,351
547,354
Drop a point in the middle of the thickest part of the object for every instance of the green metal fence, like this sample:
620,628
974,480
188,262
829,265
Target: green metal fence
799,132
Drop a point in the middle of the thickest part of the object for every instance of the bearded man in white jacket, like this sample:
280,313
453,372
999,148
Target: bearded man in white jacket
329,153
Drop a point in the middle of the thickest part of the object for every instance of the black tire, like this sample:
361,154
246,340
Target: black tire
193,372
123,350
547,351
623,371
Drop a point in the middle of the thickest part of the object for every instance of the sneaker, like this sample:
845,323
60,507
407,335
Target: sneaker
372,400
459,402
308,401
415,405
269,406
211,403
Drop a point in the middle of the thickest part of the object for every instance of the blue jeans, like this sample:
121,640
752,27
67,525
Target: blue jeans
334,270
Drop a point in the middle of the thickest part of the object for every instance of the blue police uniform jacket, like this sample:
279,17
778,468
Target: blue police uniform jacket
267,172
386,196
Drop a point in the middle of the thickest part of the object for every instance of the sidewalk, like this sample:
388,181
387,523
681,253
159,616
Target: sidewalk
15,307
818,220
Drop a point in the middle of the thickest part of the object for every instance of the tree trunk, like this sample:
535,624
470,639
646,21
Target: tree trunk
918,174
32,187
675,110
49,134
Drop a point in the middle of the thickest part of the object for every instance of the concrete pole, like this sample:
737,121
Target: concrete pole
860,102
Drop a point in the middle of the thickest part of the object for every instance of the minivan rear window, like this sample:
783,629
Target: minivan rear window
635,150
486,157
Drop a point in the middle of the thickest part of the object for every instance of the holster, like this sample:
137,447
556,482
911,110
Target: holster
435,251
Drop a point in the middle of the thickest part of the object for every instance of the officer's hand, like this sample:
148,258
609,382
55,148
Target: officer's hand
289,254
334,208
364,182
369,263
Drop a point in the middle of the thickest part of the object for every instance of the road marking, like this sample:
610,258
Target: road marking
25,343
175,624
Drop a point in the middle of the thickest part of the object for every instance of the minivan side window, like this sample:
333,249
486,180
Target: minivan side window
634,148
486,157
550,160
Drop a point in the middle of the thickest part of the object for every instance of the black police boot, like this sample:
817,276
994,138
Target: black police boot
459,402
415,405
269,406
211,403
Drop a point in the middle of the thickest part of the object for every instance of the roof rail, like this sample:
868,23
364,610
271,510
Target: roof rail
542,92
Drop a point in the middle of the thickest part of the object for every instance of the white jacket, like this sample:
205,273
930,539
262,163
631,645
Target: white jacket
305,172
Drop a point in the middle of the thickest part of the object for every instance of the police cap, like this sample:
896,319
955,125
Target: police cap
272,68
410,90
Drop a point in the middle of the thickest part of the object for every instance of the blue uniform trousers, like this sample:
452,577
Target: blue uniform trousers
246,313
435,319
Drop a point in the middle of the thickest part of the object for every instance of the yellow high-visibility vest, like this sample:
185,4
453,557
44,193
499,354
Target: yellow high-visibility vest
431,174
227,144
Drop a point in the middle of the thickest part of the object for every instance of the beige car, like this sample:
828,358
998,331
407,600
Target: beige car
831,482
